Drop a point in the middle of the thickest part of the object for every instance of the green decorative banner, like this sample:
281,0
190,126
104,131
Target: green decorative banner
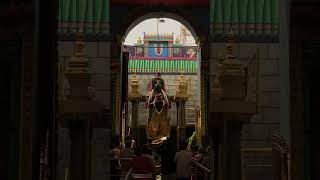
83,15
163,66
244,16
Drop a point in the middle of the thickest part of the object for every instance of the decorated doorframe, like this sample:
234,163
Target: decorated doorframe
203,70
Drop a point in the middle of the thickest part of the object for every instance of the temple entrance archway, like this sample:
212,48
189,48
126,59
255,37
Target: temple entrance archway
191,73
90,129
168,15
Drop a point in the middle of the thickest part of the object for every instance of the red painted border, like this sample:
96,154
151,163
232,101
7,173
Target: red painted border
160,58
162,2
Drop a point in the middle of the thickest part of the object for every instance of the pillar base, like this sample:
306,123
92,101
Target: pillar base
181,135
232,154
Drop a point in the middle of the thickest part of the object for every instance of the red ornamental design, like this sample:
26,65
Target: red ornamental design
158,50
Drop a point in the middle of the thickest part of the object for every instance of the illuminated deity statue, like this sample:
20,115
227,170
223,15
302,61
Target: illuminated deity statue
158,126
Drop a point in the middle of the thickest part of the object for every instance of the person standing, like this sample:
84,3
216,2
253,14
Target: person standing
132,141
141,164
126,152
114,160
183,160
147,152
167,152
199,155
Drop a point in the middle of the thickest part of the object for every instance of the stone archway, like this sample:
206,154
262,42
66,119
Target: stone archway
163,15
138,15
121,26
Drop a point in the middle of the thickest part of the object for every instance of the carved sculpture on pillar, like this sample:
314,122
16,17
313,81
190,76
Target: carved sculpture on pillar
80,108
182,89
230,109
78,72
134,85
134,98
82,91
231,66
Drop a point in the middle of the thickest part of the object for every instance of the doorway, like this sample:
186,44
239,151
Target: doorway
162,43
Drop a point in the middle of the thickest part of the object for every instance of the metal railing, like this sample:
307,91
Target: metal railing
281,157
128,174
207,170
131,176
119,172
200,172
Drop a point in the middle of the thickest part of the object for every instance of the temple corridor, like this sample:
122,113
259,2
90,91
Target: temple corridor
230,94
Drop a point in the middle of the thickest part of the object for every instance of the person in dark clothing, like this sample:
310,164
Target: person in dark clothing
167,152
147,152
194,150
199,155
183,160
114,162
127,151
132,141
141,164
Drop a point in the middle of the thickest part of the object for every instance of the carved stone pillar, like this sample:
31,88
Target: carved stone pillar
77,111
100,159
134,119
198,126
80,149
232,154
182,95
134,98
181,120
63,163
230,109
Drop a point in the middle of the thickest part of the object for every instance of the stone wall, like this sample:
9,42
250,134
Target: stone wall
257,133
170,81
98,54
